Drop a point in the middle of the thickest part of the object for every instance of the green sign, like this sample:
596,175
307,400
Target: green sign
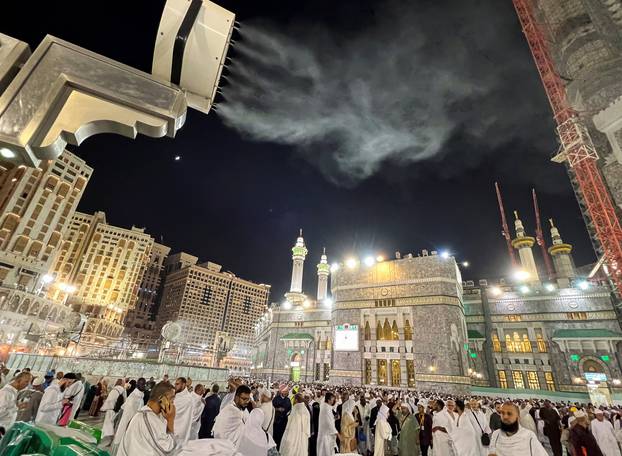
473,355
574,358
347,327
605,358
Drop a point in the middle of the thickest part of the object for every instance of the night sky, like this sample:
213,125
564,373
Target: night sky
240,192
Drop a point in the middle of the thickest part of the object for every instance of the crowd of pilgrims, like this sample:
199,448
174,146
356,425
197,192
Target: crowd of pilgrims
175,417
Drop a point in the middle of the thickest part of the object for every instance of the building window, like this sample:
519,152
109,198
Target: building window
496,344
367,331
387,330
379,332
576,315
503,381
326,371
395,335
517,378
368,371
550,384
408,331
509,346
526,344
382,371
317,372
410,372
540,341
395,373
532,380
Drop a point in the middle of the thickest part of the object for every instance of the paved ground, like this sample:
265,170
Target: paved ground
96,421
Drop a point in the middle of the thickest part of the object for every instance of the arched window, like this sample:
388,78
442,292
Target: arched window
496,344
526,344
540,341
518,346
379,333
508,343
387,330
367,331
395,334
408,331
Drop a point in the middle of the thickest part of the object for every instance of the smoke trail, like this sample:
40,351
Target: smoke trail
397,90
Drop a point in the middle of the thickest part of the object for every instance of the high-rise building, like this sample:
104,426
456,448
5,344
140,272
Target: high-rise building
212,305
36,207
103,265
585,37
140,320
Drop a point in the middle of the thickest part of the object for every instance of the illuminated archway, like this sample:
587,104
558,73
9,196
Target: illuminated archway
294,367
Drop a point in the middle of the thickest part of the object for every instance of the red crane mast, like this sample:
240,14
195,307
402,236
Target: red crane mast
505,231
540,236
576,146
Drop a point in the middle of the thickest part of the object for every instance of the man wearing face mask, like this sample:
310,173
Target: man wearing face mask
512,439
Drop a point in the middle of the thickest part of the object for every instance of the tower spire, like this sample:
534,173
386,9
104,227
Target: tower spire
299,253
323,271
523,244
562,258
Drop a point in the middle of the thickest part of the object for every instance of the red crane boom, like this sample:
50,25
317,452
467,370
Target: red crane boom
505,231
540,236
576,146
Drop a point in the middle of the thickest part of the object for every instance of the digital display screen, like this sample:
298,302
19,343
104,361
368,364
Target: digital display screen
595,377
346,338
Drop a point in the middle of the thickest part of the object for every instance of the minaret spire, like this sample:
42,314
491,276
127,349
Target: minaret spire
299,253
562,259
523,244
323,270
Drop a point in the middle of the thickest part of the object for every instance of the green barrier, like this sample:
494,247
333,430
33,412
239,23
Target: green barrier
48,440
91,430
24,438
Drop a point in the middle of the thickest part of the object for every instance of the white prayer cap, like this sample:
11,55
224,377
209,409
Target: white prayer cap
366,395
598,412
580,414
264,392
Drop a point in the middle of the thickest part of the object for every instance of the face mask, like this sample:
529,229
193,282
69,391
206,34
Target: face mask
511,428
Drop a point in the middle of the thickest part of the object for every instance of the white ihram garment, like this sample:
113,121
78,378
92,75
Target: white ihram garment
50,406
442,440
198,404
327,432
8,406
229,424
478,419
463,437
523,443
146,436
383,430
132,405
108,407
183,416
295,441
605,437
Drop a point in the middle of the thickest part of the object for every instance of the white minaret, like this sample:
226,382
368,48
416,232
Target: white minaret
524,244
299,253
323,270
564,266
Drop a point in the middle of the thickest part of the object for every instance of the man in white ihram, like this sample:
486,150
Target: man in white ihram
230,421
327,432
442,426
463,436
53,400
132,405
184,406
295,441
512,439
109,408
480,425
602,430
198,404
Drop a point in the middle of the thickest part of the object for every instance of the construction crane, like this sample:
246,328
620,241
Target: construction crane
540,236
576,146
505,231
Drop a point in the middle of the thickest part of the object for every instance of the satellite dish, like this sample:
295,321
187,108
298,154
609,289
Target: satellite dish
171,331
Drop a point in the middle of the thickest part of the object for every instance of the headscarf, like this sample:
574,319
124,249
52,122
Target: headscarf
283,388
255,441
348,407
383,414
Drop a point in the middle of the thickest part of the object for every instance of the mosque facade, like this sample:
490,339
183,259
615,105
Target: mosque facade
412,322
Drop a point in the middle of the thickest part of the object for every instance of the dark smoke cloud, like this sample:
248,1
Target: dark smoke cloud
398,90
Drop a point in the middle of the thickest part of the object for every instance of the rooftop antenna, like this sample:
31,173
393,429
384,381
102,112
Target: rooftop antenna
505,231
